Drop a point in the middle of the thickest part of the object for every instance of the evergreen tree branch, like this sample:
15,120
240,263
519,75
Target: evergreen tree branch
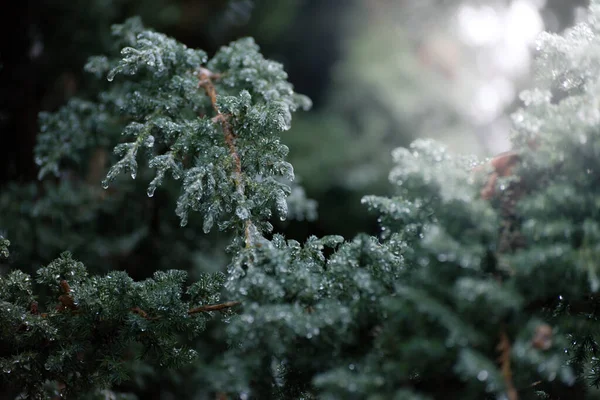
431,299
206,76
66,302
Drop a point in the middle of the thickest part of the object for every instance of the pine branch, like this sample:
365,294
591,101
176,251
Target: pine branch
425,300
205,81
66,302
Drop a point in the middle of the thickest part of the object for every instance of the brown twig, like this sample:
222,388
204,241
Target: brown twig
206,82
214,307
510,239
61,388
502,166
534,384
196,310
66,300
542,338
142,313
504,347
64,285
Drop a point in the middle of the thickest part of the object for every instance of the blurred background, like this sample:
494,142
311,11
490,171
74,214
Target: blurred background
381,73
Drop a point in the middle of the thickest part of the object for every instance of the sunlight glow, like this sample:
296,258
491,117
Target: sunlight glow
500,35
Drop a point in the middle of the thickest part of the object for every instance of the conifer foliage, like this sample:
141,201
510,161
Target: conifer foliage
482,284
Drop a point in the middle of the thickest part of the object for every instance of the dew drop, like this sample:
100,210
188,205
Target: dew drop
242,212
150,191
150,141
482,375
105,184
208,223
133,174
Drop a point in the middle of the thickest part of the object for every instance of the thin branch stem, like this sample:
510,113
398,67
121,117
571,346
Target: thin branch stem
214,307
66,301
504,347
206,76
195,310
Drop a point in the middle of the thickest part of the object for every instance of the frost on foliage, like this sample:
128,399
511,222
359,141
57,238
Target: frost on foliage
416,312
157,54
87,323
298,301
565,67
299,206
65,135
4,243
559,142
558,131
225,149
428,163
432,184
